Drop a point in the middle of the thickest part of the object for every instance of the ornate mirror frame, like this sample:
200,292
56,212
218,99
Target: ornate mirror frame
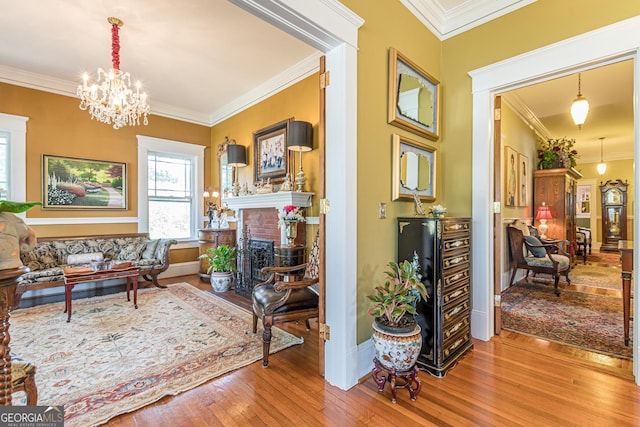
226,171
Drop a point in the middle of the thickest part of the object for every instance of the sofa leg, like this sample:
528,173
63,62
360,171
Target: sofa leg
154,280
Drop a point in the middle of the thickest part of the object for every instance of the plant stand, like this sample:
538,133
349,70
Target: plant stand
408,378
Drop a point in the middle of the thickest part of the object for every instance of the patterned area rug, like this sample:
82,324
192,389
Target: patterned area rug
597,275
587,321
112,359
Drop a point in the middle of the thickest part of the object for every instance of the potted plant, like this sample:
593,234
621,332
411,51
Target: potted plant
396,333
557,153
222,265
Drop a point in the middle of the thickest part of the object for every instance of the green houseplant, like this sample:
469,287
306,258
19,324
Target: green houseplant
396,334
556,153
222,265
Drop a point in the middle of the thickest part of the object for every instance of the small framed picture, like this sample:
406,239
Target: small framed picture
270,152
524,180
511,177
71,183
414,170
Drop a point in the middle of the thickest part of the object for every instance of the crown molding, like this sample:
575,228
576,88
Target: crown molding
469,14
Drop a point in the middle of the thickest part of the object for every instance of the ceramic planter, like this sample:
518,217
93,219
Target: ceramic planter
221,282
397,351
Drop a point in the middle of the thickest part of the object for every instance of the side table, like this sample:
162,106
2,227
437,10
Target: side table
212,238
75,276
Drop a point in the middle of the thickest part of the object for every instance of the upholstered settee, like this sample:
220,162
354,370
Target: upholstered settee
50,255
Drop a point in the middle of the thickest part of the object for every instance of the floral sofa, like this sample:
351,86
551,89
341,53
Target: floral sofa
51,255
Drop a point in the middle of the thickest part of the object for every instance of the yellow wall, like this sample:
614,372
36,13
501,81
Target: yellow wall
57,126
300,102
389,24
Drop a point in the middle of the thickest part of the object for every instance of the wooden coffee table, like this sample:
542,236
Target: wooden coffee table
74,276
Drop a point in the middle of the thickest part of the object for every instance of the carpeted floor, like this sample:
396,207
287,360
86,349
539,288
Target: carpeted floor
113,359
588,321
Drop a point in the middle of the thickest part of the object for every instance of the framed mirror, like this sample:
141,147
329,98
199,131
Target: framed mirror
414,170
414,97
226,171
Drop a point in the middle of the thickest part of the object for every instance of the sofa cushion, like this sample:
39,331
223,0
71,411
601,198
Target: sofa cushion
150,249
41,258
131,251
76,259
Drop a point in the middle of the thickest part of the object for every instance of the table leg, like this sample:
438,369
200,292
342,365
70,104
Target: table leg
135,291
67,301
626,303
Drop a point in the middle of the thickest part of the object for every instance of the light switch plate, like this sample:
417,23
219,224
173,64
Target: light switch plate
382,210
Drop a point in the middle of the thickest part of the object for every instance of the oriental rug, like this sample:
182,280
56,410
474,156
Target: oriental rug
597,275
587,321
112,359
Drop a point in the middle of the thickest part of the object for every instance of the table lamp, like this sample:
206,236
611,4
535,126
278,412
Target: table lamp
543,214
236,157
300,138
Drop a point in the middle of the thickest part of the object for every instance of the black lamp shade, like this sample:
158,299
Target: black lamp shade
236,155
300,136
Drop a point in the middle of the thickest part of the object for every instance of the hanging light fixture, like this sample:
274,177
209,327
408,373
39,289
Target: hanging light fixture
579,108
111,99
602,166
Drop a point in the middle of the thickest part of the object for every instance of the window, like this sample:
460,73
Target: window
170,195
170,180
13,142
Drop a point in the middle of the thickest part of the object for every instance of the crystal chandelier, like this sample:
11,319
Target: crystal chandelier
111,99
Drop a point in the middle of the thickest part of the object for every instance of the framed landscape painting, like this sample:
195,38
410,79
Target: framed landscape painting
72,183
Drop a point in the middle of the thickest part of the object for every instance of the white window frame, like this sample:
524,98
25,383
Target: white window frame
17,128
146,144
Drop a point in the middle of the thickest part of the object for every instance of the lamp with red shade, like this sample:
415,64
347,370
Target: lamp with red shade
543,214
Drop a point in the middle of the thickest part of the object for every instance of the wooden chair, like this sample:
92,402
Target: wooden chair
23,378
551,263
290,293
583,241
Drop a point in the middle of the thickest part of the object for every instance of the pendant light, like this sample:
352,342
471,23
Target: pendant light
579,108
602,166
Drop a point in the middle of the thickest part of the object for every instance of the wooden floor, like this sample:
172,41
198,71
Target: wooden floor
511,380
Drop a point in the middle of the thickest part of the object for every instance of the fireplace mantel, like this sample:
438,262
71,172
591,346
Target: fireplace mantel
269,200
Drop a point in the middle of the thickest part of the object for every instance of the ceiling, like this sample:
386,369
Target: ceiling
204,60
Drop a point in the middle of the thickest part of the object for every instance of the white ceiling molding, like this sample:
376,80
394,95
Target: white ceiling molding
287,78
525,113
446,22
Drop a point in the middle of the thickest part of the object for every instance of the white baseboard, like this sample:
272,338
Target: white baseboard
366,353
181,269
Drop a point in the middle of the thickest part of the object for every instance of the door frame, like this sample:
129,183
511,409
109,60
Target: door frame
609,44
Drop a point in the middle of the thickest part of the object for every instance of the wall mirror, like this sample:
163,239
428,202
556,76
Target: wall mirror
414,97
226,171
414,170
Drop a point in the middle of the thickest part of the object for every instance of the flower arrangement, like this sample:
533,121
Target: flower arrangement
290,213
557,153
396,300
437,211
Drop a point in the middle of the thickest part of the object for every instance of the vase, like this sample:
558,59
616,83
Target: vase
221,281
291,231
397,351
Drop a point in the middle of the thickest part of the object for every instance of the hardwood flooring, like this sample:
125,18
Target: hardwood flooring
511,380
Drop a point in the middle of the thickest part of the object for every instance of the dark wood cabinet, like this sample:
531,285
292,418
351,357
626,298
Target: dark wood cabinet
443,249
614,214
212,238
557,189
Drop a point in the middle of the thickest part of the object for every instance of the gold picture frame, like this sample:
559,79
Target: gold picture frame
413,170
414,97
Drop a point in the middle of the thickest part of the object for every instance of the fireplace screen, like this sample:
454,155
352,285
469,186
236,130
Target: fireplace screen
258,254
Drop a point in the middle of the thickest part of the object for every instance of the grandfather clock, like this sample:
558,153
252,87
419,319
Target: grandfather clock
614,214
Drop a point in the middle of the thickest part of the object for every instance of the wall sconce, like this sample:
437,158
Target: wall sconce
236,157
300,138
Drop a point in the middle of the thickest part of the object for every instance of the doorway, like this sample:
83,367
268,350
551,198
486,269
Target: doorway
606,45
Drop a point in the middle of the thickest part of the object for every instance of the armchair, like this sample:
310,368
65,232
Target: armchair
288,294
536,257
